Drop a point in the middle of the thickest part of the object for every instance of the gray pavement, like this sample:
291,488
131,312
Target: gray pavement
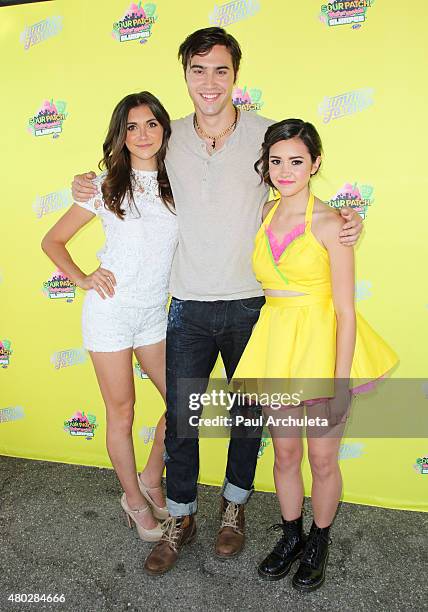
62,531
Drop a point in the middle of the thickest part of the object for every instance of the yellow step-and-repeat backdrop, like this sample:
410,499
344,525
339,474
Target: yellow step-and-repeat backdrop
355,69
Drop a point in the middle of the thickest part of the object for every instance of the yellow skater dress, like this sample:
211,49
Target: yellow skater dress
295,337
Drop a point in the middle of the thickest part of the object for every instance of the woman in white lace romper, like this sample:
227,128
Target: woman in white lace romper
125,306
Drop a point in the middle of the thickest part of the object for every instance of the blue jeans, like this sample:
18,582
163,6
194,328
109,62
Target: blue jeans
197,333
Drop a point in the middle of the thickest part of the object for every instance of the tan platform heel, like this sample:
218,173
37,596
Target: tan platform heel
160,513
148,535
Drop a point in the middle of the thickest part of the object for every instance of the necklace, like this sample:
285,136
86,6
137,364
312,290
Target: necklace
231,127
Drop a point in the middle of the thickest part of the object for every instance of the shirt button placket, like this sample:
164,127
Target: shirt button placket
205,171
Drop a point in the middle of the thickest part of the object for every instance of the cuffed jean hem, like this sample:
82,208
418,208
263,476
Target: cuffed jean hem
176,509
235,494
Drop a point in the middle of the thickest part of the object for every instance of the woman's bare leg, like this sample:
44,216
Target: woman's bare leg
115,378
288,475
326,477
152,360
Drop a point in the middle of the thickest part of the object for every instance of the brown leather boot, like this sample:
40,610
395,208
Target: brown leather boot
231,536
177,531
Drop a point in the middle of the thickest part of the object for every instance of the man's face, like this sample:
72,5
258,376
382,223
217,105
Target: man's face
210,79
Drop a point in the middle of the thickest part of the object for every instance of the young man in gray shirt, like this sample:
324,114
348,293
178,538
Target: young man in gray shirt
216,299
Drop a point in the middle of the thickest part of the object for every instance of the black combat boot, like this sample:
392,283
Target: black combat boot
289,547
311,572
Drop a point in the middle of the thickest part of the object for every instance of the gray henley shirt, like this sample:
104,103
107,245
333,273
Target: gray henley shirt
219,200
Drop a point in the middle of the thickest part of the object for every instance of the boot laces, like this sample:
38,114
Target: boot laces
314,549
171,532
286,541
230,516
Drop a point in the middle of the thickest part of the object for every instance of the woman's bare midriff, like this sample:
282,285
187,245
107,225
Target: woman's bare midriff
281,293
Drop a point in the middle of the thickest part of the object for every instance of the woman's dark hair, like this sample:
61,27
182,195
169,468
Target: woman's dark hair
202,41
117,160
285,130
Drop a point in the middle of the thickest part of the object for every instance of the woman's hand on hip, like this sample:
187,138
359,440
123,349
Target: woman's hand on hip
102,281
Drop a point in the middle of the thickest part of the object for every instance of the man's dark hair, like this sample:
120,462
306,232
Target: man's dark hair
202,41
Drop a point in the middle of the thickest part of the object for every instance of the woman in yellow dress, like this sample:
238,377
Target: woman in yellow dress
308,329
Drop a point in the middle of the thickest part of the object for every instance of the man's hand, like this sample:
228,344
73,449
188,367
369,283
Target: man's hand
82,188
353,227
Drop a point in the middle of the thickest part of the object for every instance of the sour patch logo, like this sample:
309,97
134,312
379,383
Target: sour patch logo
59,286
5,352
48,119
81,424
345,13
136,24
247,99
358,197
421,465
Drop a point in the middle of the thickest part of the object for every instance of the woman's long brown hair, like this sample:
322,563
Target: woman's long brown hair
117,160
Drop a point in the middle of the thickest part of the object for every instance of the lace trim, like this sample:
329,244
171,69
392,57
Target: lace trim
145,183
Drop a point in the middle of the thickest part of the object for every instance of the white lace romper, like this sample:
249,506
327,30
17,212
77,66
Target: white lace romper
139,251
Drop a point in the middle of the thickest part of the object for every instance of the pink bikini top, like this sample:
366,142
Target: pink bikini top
278,248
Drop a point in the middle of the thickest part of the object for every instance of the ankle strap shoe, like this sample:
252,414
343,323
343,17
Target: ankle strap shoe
158,512
133,516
